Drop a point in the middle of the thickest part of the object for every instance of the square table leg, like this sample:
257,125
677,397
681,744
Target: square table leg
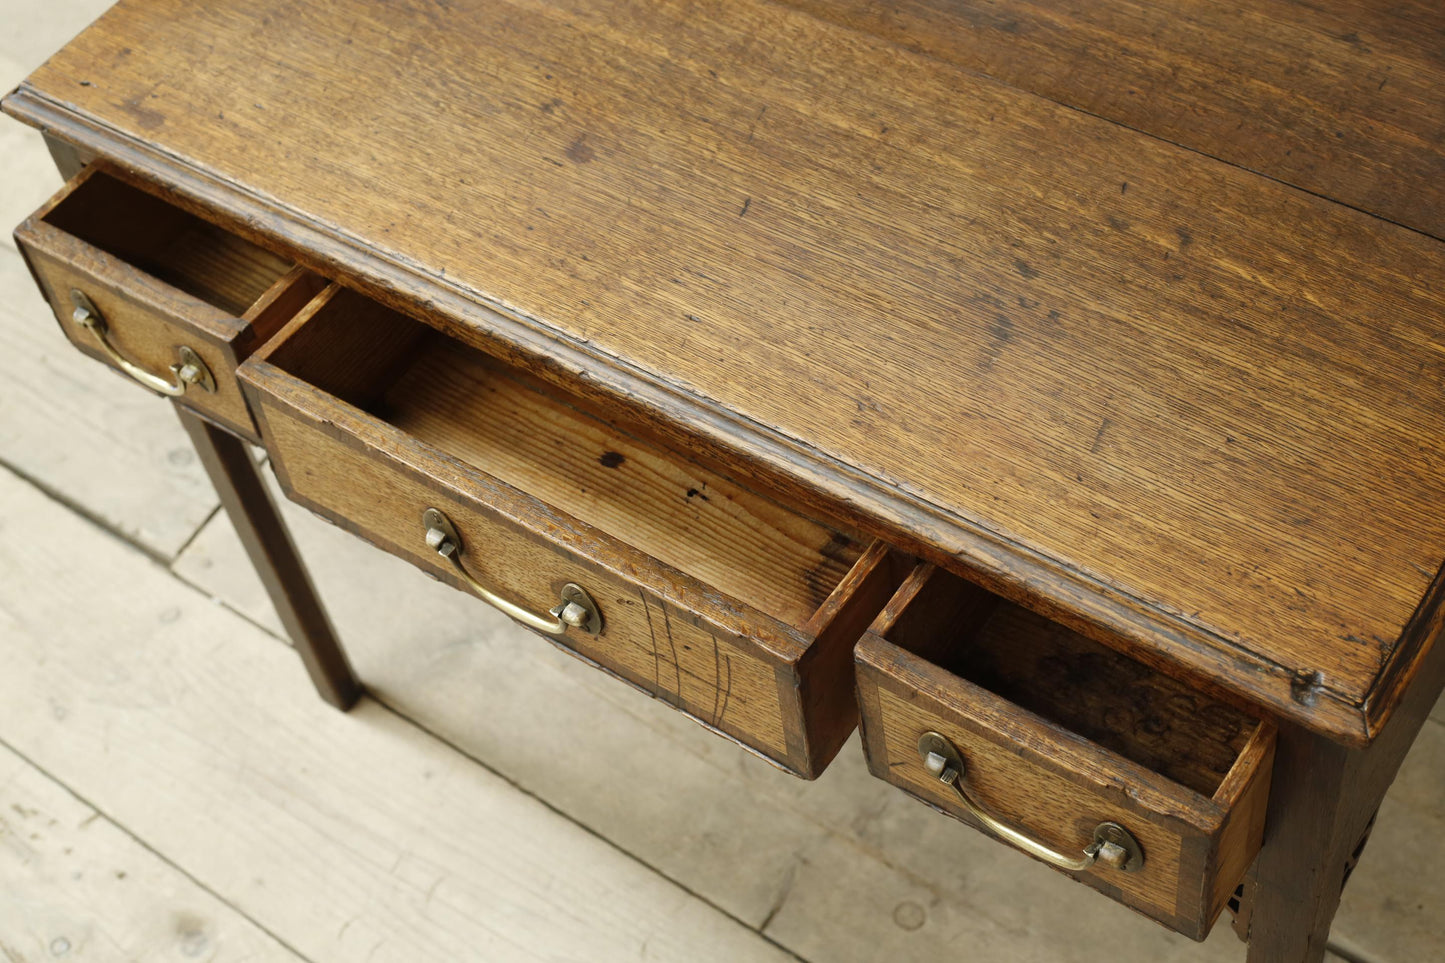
1322,804
257,521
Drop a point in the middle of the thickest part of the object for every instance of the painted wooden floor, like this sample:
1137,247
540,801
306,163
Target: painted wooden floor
171,789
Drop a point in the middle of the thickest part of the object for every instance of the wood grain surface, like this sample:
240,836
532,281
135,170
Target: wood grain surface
76,886
746,545
185,251
161,279
1042,798
647,641
731,608
1058,717
345,837
1056,786
1071,681
1337,97
1175,404
548,444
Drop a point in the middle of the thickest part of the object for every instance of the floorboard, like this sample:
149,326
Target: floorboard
350,837
74,886
29,175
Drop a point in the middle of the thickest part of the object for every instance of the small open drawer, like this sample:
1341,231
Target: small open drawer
168,298
997,715
715,598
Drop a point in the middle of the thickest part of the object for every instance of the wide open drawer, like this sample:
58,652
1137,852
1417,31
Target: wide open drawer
168,298
724,603
1064,745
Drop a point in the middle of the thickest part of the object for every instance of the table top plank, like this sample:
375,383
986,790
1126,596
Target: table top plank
1037,337
1337,97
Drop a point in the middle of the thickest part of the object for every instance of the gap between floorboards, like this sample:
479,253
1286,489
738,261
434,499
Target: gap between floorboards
168,565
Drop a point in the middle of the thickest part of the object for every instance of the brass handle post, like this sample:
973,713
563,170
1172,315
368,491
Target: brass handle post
1112,845
574,609
189,372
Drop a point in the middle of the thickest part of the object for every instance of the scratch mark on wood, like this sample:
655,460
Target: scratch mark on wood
1099,436
747,203
716,678
784,891
727,687
672,647
754,126
652,633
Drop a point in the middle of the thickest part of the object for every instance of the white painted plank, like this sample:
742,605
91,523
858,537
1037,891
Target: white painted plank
30,31
828,866
348,836
845,909
73,886
89,436
35,29
29,175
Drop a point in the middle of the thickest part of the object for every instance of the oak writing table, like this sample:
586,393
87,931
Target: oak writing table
1058,388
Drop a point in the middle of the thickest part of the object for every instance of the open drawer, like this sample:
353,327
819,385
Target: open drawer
1135,783
715,598
168,298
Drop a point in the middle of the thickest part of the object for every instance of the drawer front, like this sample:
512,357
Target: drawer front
657,646
727,604
730,669
1055,786
148,328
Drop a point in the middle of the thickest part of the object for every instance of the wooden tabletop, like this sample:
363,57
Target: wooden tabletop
1073,343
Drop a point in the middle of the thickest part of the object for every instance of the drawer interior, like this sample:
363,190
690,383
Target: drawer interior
1071,681
540,440
185,251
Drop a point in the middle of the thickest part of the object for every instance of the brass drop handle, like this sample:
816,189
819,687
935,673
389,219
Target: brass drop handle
574,609
1113,845
189,371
